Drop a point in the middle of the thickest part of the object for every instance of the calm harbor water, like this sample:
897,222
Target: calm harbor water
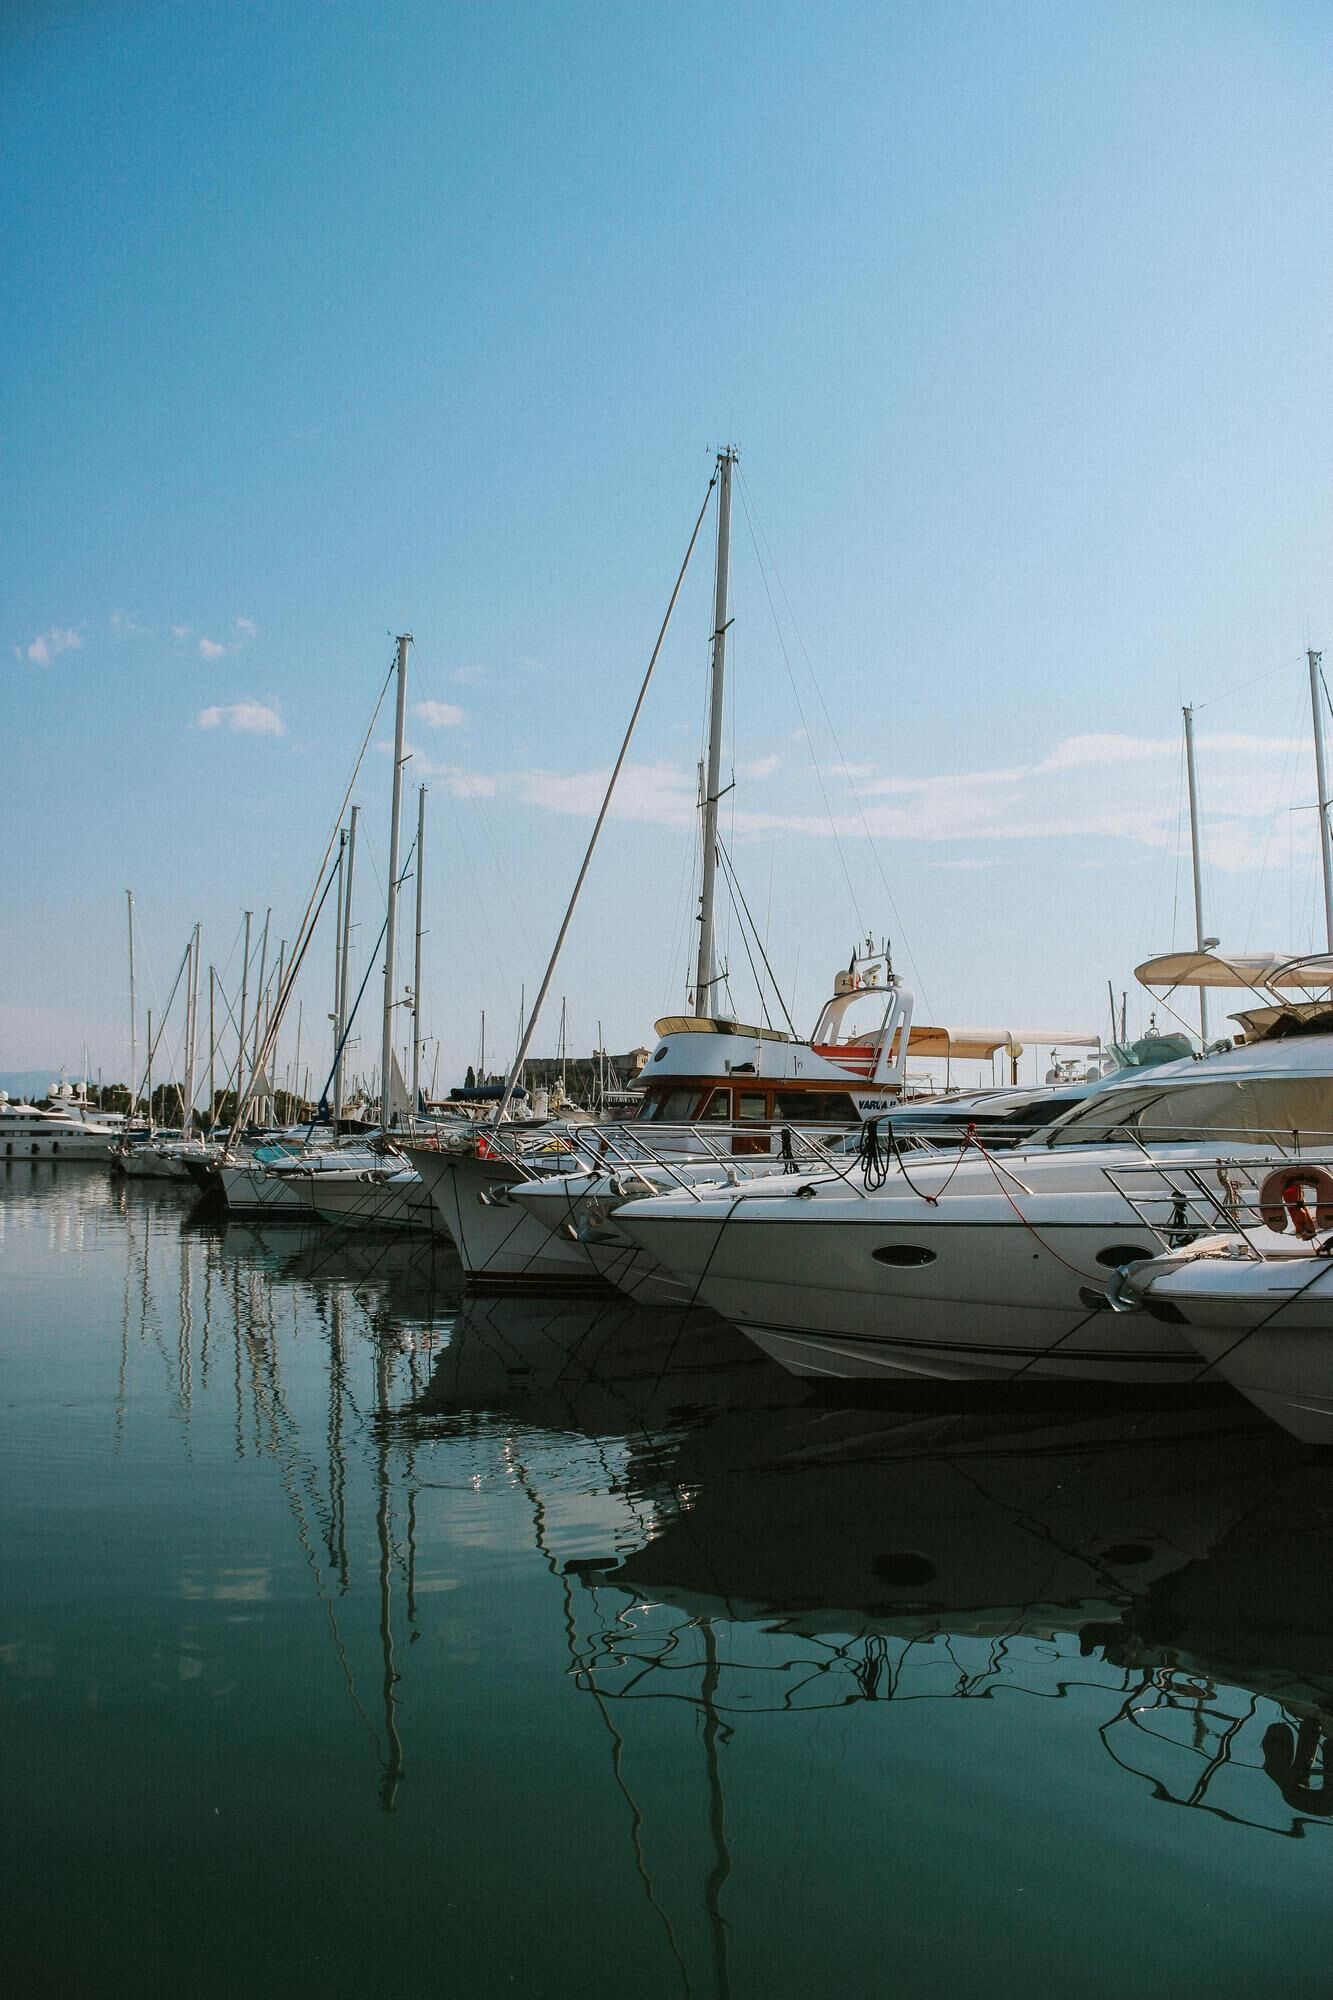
360,1638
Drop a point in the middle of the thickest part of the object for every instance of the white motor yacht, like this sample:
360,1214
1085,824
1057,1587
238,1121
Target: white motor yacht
585,1206
66,1127
989,1266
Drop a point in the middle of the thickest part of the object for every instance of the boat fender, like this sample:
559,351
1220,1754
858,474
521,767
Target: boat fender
1283,1195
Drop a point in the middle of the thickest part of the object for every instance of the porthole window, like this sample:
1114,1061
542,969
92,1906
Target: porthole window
1116,1254
903,1254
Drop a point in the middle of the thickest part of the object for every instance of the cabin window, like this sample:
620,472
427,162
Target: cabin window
672,1107
1260,1111
718,1108
815,1107
752,1106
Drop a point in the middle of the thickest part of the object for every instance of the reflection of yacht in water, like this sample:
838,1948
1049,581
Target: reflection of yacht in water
1127,1560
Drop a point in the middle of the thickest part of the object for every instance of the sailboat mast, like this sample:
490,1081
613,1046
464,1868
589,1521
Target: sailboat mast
1321,776
336,1016
212,1053
240,1029
706,972
134,1039
340,1060
1193,783
416,970
391,917
191,1032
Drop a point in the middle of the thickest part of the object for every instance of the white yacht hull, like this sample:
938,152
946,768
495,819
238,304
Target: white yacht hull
1008,1283
253,1192
28,1141
498,1241
367,1201
1264,1327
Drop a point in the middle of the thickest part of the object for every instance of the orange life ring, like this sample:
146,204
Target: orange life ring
1283,1195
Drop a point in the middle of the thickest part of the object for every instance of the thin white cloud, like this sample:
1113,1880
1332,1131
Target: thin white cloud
127,627
759,767
471,784
250,718
247,627
209,649
47,645
468,676
1093,787
439,714
181,631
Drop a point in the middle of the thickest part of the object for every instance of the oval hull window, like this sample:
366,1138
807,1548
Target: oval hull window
903,1255
1117,1254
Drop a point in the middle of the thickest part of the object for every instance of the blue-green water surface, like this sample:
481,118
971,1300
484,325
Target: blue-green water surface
359,1638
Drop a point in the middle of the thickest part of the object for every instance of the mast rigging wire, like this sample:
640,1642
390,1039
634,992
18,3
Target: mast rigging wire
522,1051
819,693
730,871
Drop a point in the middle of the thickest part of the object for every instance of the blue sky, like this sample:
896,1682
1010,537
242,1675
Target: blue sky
323,322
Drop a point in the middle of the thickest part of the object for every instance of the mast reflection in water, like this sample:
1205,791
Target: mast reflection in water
360,1637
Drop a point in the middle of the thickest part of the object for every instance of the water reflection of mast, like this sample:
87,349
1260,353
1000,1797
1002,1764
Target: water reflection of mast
394,1771
281,1445
337,1456
583,1678
716,1732
185,1340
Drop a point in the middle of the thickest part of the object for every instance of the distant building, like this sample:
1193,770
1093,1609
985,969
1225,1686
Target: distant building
590,1080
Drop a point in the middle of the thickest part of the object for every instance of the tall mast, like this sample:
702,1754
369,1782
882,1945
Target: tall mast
336,1015
148,1082
416,971
274,1067
391,917
134,1039
1192,780
191,1032
339,1058
212,1052
261,1009
706,972
240,1029
1321,776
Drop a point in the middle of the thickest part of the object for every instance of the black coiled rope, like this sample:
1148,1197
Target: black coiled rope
873,1155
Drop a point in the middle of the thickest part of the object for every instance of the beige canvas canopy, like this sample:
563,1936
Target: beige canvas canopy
1257,1021
1270,970
980,1044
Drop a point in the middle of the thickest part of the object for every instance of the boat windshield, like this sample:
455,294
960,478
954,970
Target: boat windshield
1265,1111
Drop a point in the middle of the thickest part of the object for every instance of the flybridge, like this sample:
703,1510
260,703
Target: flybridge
862,1040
